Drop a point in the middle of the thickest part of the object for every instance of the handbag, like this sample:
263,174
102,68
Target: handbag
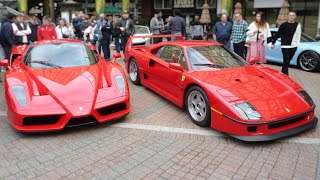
63,35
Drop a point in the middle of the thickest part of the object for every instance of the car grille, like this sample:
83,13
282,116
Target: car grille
41,120
285,123
81,121
112,109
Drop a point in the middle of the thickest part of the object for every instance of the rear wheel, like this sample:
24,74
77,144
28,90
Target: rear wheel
198,106
309,61
134,72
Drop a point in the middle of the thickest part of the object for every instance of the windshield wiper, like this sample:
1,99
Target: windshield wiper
210,65
46,63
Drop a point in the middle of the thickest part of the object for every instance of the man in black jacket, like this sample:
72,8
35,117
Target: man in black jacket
106,30
290,34
7,36
126,28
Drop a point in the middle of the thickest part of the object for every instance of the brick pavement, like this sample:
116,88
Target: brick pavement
111,151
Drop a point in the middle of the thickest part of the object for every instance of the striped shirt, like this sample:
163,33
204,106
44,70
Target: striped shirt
239,31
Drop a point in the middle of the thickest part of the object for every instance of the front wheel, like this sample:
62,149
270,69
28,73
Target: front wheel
309,61
134,72
198,106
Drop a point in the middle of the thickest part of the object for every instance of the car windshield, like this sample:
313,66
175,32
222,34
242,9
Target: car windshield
141,30
207,57
60,55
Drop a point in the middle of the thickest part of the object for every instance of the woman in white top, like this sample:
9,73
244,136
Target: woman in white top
64,30
88,33
258,35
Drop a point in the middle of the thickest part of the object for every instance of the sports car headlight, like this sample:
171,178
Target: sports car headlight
306,97
247,111
20,94
121,84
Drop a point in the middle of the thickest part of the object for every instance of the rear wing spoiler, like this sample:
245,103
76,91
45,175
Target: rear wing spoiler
179,37
130,42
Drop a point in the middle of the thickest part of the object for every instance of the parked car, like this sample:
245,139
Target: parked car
61,83
141,31
307,56
249,102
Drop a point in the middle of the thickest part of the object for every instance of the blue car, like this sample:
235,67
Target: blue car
307,56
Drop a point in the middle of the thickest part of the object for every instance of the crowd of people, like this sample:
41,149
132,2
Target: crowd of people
22,29
248,40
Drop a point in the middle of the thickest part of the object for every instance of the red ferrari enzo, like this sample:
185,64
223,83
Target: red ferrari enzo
249,102
55,84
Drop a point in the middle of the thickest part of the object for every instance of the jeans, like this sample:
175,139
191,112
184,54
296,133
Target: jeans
99,46
2,55
288,54
93,42
106,48
117,43
239,49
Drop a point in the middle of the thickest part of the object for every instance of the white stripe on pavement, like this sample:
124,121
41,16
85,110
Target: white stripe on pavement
299,140
169,129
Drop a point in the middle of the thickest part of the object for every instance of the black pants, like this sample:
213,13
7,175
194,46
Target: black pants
157,40
7,51
197,38
124,40
239,48
106,48
288,54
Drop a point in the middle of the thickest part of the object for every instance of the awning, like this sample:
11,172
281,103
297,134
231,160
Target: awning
112,10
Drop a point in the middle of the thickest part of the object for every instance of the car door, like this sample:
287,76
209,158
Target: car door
274,55
163,77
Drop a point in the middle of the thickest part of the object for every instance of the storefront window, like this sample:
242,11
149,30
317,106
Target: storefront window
167,4
162,4
157,4
212,3
308,12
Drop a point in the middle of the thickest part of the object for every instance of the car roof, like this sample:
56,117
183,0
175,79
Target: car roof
274,29
191,43
57,41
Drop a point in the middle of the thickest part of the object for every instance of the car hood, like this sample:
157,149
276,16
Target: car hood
69,86
271,97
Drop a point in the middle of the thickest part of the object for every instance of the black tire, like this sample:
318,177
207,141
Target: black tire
309,61
194,107
134,73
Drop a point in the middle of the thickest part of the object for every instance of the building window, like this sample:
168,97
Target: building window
162,4
212,3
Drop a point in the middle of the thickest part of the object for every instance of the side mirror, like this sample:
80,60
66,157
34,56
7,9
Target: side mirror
175,66
116,56
4,63
254,60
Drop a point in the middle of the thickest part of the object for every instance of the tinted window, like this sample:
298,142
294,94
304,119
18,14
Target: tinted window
206,57
172,54
60,55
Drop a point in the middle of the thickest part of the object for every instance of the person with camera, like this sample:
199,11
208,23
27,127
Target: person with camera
63,30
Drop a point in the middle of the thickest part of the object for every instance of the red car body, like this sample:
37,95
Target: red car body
60,97
274,95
